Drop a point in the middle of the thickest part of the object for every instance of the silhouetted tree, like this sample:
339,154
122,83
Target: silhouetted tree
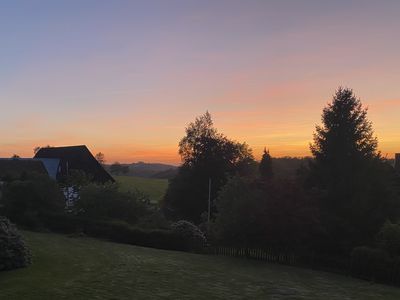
205,154
265,167
15,156
100,158
355,182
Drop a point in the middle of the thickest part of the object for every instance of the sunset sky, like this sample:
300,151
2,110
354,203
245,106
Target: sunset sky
126,77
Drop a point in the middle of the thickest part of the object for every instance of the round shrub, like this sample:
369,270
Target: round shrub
192,237
388,238
13,251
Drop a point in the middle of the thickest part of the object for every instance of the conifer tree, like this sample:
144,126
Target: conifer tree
265,167
353,179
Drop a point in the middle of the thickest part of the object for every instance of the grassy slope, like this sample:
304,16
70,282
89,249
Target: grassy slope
154,188
83,268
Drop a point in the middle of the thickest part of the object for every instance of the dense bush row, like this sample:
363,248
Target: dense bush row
122,232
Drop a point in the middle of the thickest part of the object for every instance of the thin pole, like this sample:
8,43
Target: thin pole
209,199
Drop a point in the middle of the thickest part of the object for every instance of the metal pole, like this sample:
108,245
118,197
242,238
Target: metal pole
209,199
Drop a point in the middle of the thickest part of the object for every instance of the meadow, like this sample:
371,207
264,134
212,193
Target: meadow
85,268
154,188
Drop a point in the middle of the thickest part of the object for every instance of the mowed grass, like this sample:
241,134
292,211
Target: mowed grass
84,268
152,187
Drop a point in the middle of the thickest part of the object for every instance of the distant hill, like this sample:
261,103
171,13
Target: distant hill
149,170
283,167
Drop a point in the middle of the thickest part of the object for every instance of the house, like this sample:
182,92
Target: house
15,167
59,161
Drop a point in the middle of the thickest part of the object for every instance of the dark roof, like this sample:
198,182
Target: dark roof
76,158
17,166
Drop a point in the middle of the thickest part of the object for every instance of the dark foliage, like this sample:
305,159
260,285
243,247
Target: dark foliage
107,202
357,187
116,231
265,167
154,219
15,168
192,237
205,154
388,238
13,250
25,200
257,214
372,264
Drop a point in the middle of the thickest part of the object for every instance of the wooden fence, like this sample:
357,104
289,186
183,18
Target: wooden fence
385,272
265,254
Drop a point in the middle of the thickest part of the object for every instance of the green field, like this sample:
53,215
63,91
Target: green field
152,187
84,268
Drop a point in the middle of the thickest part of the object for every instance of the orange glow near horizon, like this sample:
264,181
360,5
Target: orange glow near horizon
126,78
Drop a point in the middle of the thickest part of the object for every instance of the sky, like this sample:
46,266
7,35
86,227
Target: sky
126,77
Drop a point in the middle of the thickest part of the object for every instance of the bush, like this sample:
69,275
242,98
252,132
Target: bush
116,231
192,237
107,202
13,251
24,200
153,220
388,238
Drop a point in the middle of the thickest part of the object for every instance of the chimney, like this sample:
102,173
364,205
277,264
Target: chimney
397,162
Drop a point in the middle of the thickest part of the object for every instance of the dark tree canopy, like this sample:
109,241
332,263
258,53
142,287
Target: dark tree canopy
265,167
355,182
346,133
206,154
203,146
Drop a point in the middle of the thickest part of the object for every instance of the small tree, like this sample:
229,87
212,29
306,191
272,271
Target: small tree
265,167
205,154
100,158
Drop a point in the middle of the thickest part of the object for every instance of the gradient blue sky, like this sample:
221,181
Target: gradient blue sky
125,77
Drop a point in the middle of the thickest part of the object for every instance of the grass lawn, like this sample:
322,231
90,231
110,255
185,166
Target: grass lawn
152,187
84,268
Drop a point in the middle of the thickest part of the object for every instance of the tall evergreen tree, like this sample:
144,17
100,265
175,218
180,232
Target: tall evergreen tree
265,167
346,137
354,181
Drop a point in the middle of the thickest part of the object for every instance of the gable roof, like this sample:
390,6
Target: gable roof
17,166
76,158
